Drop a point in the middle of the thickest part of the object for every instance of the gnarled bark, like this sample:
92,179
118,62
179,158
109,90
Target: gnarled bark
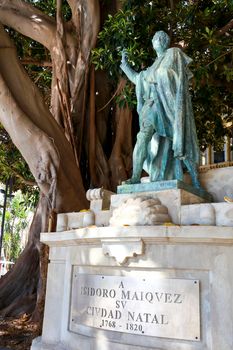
18,293
35,132
98,163
58,145
121,157
28,20
71,69
51,159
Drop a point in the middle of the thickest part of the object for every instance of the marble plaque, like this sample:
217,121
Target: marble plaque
157,307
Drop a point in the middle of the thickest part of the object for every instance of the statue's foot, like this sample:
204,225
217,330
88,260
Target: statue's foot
132,180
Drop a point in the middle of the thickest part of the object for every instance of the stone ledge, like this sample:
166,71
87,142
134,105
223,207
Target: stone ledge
157,234
213,214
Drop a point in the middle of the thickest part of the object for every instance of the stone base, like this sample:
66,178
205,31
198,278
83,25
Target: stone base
213,214
37,344
217,181
81,259
173,199
184,208
159,186
190,253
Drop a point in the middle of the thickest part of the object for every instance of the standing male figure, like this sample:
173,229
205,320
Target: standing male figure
167,139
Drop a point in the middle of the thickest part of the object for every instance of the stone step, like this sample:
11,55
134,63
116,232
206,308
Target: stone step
211,214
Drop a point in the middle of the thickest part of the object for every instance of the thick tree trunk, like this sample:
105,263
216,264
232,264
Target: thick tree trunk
58,147
71,56
18,292
51,159
36,134
121,157
98,163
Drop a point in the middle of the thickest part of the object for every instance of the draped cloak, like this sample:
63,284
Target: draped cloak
163,100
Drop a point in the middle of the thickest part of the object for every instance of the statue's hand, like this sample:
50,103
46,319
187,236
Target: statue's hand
124,57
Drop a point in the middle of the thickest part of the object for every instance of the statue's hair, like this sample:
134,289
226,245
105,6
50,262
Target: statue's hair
165,42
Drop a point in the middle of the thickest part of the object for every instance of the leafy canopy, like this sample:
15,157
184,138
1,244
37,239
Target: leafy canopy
17,218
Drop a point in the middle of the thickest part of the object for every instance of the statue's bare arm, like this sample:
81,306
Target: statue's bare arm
130,73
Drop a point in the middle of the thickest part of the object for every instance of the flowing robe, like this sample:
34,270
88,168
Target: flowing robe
164,102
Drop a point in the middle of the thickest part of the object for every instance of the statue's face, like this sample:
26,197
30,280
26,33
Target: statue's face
157,45
160,41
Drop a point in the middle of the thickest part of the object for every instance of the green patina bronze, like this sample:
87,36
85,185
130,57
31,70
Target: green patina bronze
159,186
167,140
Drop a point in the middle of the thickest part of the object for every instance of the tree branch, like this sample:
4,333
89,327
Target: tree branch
34,131
172,5
225,29
27,61
86,19
15,172
23,180
28,20
86,9
216,59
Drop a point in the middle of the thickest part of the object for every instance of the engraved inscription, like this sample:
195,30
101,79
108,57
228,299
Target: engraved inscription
147,306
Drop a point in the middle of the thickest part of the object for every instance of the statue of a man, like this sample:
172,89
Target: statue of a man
167,139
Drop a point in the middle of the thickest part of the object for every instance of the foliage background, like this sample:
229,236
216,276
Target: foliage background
17,219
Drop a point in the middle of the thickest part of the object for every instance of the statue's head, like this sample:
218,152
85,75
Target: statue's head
161,41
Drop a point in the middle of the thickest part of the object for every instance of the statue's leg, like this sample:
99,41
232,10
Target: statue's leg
178,170
140,152
192,169
164,157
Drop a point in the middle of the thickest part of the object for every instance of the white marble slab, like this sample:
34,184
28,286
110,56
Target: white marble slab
201,253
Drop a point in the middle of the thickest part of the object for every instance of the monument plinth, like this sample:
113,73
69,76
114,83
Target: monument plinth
171,289
136,286
173,194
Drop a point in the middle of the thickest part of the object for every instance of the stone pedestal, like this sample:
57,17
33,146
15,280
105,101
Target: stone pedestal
167,285
158,255
159,186
172,194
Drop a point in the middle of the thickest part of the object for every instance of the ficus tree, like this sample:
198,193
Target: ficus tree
45,136
82,137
